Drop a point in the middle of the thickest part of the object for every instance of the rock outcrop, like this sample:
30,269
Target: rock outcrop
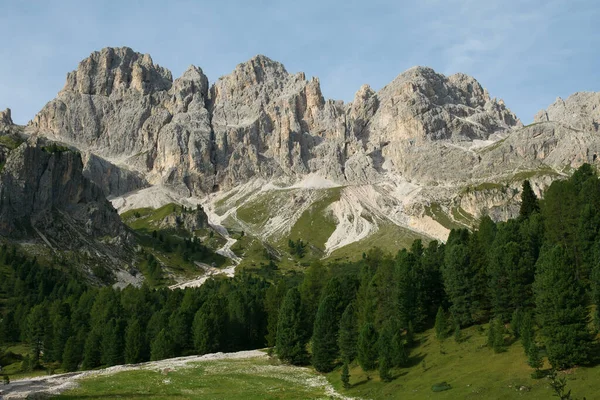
580,111
443,135
43,191
258,122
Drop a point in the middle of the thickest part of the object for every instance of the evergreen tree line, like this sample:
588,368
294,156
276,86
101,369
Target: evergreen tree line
539,272
73,326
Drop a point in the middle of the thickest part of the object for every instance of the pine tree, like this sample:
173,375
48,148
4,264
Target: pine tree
441,326
516,322
291,339
325,336
310,292
459,278
595,283
345,376
162,347
496,335
526,332
70,357
273,299
561,310
385,351
529,201
367,347
458,337
209,325
134,342
399,353
91,351
112,344
348,336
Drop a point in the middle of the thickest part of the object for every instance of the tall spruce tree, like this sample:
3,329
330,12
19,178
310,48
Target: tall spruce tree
290,344
385,342
368,347
441,324
561,307
70,356
348,334
529,201
325,336
459,278
134,342
162,346
209,325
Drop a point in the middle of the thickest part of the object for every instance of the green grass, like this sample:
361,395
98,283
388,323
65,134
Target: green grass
259,210
10,142
472,369
251,379
435,211
463,217
315,226
389,237
541,171
485,186
148,217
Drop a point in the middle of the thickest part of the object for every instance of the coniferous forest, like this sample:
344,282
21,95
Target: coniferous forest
536,276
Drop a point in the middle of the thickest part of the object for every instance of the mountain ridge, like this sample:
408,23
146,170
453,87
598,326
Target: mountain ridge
460,151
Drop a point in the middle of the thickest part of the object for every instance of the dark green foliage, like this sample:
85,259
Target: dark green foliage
458,337
310,292
345,376
134,343
559,386
208,326
459,277
399,352
441,325
348,334
292,338
70,357
595,286
92,351
325,336
516,322
496,335
385,351
561,310
273,299
162,346
368,347
297,248
529,201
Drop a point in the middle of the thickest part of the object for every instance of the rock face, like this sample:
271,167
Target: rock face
259,121
442,136
42,189
5,119
189,219
580,111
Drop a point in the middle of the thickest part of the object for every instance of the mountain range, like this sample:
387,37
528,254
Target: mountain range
264,152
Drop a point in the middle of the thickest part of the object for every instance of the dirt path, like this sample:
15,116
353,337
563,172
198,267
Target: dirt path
56,384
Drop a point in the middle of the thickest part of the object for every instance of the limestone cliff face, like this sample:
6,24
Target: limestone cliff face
122,107
258,121
42,189
136,126
580,111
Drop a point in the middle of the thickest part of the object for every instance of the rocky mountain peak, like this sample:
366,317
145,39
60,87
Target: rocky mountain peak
118,69
5,118
581,111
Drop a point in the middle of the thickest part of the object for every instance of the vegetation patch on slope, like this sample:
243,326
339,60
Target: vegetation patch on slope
389,238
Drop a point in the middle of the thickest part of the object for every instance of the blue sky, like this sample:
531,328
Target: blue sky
526,52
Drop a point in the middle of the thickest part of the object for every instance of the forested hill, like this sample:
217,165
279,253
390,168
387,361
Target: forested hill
536,278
